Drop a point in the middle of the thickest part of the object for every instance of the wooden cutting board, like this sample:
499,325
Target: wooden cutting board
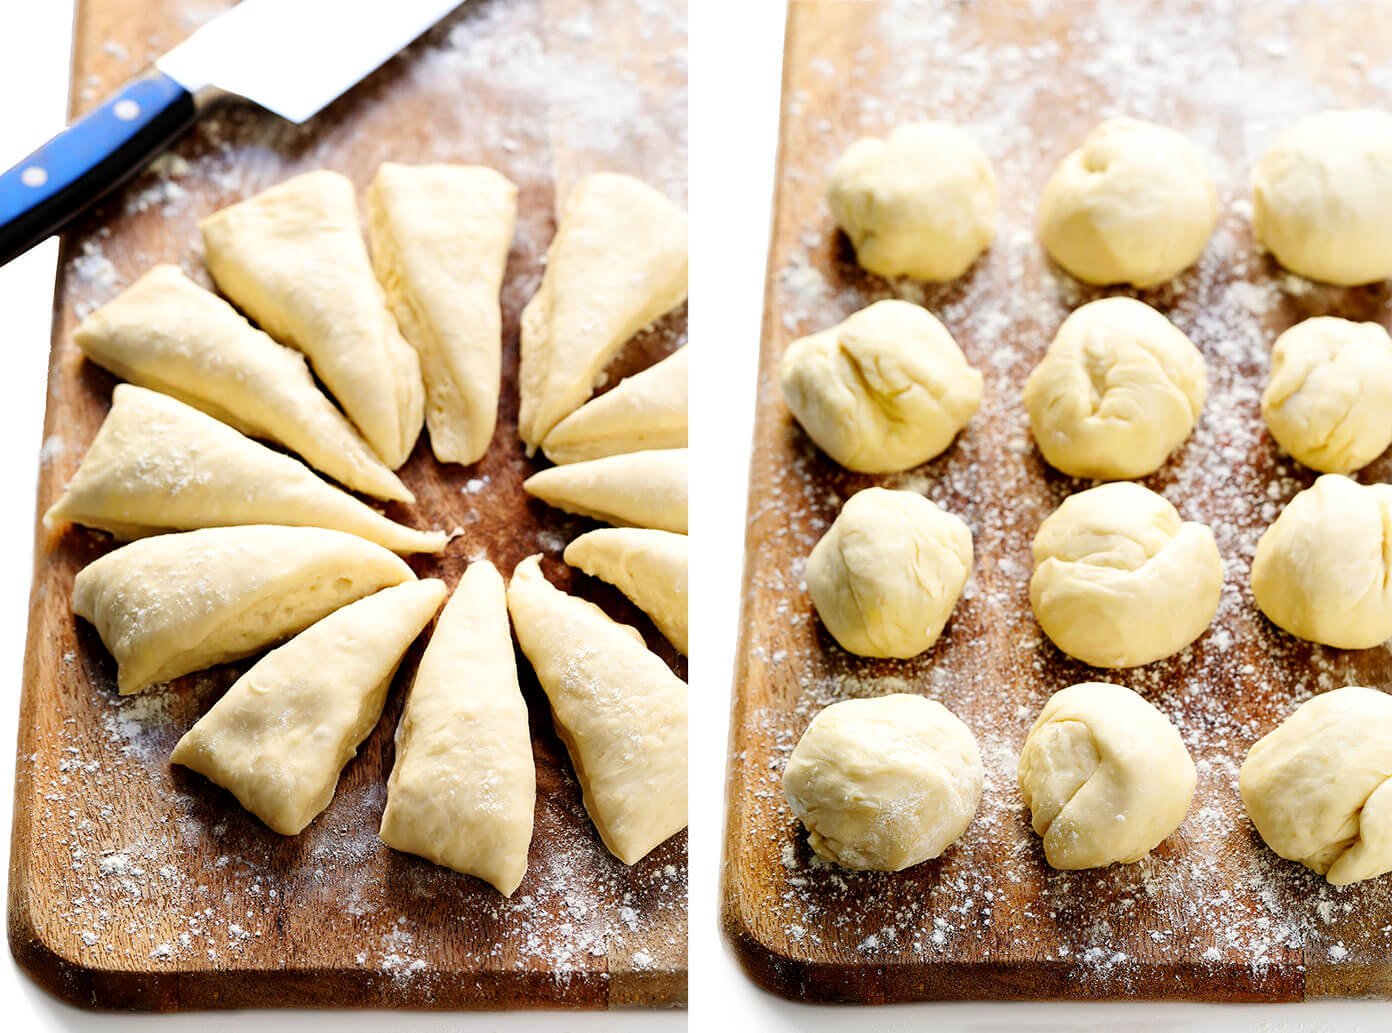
137,886
1212,914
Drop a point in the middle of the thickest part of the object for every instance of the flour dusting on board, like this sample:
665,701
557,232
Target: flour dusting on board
1230,76
159,870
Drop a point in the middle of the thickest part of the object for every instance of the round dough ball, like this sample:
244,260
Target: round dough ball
884,783
1105,775
1120,580
883,391
1318,789
1134,204
1321,570
1118,390
1329,400
886,575
1322,197
920,203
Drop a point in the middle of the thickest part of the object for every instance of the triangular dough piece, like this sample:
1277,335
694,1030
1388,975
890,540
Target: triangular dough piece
440,238
463,789
617,707
637,489
157,464
618,262
177,603
647,566
167,333
644,411
279,737
293,259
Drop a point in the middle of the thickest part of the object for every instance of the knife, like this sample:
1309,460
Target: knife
291,57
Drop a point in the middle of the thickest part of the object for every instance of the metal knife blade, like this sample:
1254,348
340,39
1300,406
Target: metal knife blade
294,57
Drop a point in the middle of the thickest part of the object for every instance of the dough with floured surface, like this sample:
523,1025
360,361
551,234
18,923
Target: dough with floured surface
617,263
635,489
440,238
645,411
618,708
157,464
166,333
463,788
293,259
648,566
278,738
176,603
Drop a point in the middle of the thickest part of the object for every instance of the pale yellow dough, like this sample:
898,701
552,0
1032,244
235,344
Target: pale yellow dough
278,738
166,333
157,464
636,489
617,263
440,237
177,603
463,788
293,259
648,566
618,708
1319,787
645,411
1105,775
1119,389
1120,580
1323,570
882,391
885,783
1329,399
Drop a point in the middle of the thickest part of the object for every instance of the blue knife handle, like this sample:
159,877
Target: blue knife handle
93,156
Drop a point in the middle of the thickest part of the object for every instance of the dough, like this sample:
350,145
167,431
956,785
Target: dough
157,464
883,391
644,411
919,203
647,566
281,734
1134,204
1322,197
168,334
636,489
177,603
1318,788
1120,580
884,783
1329,400
440,237
1119,389
293,259
1105,775
617,264
463,787
1321,571
886,576
618,708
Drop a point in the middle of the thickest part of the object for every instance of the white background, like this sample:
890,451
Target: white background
735,72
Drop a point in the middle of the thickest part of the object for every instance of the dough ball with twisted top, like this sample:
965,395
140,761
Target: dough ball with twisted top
1323,570
1322,197
1120,580
1119,389
883,391
1134,204
1318,788
887,574
1329,399
884,783
1105,775
920,203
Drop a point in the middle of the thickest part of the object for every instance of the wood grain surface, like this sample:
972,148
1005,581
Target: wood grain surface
1212,914
134,885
